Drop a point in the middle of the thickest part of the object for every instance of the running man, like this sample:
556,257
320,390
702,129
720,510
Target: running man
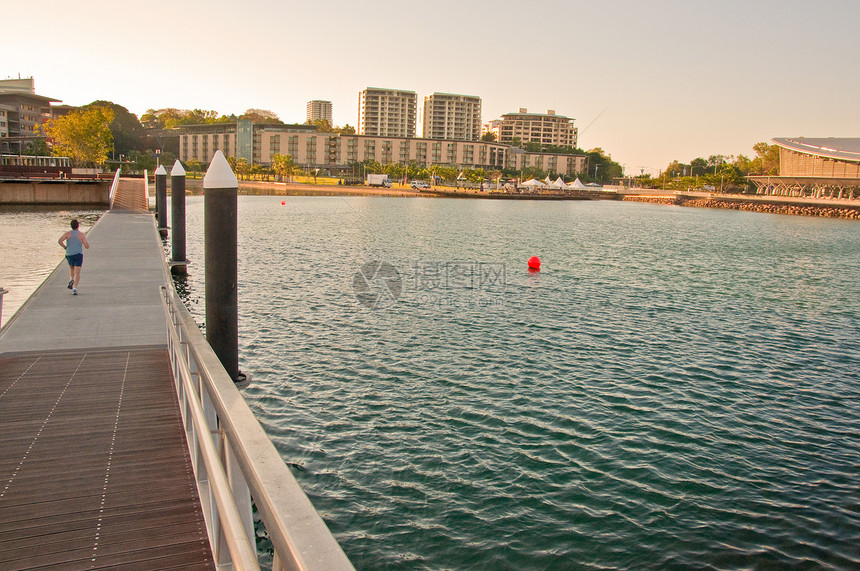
74,241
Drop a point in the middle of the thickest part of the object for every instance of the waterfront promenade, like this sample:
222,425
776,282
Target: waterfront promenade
94,469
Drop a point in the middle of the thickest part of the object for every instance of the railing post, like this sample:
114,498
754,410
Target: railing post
241,492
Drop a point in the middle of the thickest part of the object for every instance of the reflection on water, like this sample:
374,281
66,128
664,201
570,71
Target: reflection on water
29,236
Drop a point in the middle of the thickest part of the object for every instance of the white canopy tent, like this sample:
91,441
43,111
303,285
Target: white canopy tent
533,183
559,184
577,185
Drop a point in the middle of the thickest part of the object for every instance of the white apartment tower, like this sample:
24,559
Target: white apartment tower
387,112
453,117
318,109
546,129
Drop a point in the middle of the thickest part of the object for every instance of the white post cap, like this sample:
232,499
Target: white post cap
161,170
177,169
219,175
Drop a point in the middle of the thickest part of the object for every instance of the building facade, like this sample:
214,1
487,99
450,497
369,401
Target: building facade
544,128
387,113
452,117
256,143
319,110
814,167
337,153
22,111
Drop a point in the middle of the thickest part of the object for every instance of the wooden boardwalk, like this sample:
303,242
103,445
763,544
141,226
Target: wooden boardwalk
94,468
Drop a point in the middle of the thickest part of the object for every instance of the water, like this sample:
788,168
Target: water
678,388
30,251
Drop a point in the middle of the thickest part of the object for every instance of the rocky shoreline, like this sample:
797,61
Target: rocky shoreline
794,209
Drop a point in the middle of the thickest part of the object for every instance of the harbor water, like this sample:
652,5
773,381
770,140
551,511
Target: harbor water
29,236
676,388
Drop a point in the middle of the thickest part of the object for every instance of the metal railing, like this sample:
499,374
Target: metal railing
2,293
113,187
234,460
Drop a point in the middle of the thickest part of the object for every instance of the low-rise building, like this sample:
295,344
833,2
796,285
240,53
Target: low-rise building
337,153
22,111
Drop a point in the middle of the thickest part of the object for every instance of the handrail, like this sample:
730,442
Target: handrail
113,187
248,464
2,293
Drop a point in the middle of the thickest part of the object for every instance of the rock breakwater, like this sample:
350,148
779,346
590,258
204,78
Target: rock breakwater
795,209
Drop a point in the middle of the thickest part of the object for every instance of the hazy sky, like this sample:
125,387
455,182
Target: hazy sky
648,81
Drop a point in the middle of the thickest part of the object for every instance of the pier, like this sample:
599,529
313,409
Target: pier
125,442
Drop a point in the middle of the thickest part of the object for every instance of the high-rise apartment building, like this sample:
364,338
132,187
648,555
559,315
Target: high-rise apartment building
546,129
453,117
387,112
318,109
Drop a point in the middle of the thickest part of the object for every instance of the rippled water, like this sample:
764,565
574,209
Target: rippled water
677,388
30,251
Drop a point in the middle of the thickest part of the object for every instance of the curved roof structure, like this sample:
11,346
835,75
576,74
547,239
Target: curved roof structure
831,147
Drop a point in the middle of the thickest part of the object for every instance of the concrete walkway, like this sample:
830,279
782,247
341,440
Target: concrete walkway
118,302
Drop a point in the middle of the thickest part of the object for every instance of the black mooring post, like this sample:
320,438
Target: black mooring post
177,218
221,244
161,199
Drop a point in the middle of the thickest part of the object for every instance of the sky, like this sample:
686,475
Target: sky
649,82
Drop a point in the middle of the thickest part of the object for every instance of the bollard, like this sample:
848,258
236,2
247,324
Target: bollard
161,199
220,229
178,264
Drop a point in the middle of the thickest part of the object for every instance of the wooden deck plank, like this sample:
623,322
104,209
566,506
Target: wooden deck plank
95,463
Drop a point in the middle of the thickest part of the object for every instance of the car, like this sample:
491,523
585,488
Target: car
420,185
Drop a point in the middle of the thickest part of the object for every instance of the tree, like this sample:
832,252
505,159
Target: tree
283,166
322,125
602,167
533,172
170,117
37,148
83,135
346,130
194,165
698,163
243,168
767,161
261,116
488,137
128,134
141,161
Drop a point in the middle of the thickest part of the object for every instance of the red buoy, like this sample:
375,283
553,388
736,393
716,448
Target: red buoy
283,202
534,263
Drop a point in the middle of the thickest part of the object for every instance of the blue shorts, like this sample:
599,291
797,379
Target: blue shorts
75,260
